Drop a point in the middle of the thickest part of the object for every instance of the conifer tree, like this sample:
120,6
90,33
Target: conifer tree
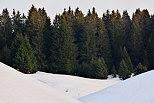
127,27
34,30
18,23
5,56
48,32
127,59
140,69
117,36
5,33
63,48
103,44
80,37
90,34
98,69
141,33
150,51
114,26
123,72
24,59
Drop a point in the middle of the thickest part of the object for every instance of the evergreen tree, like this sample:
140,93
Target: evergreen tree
103,44
117,37
123,72
5,33
80,36
127,59
34,30
24,59
98,69
114,25
150,53
140,69
63,48
150,46
18,22
48,32
141,33
90,34
5,56
127,26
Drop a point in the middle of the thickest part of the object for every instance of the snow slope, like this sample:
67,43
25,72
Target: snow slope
138,89
73,85
16,87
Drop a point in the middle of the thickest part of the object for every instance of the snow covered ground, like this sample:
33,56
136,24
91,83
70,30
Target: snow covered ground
138,89
16,87
73,85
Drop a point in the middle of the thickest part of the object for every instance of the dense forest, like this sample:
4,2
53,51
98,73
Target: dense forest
78,44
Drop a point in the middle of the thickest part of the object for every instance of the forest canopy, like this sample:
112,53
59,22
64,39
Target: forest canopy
78,44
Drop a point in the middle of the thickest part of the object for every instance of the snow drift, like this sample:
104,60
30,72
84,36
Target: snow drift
73,85
16,87
138,89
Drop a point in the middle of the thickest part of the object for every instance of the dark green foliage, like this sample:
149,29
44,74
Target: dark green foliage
47,31
18,22
113,71
23,57
127,26
6,35
103,44
123,72
141,35
140,69
78,44
82,70
34,30
115,28
62,46
127,59
94,69
98,69
5,57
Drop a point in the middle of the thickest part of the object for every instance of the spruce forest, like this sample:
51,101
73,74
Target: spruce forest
77,44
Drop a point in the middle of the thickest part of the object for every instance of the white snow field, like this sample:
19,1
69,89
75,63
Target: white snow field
16,87
138,89
72,85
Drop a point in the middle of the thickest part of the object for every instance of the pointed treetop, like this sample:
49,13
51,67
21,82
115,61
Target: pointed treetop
138,11
32,6
5,12
89,13
64,13
118,13
145,12
107,11
113,12
18,13
69,8
14,12
78,12
125,14
93,10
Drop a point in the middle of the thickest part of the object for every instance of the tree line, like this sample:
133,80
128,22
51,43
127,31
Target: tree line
78,44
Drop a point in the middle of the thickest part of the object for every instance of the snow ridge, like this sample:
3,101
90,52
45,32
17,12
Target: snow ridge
138,89
16,87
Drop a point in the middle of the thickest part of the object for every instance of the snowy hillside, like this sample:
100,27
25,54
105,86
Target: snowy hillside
138,89
73,85
16,87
